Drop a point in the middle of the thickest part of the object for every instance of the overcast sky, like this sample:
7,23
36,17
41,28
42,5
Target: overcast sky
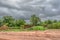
45,9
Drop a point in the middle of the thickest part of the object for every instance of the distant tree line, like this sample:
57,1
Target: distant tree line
34,20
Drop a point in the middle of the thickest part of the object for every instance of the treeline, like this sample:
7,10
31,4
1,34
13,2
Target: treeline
11,22
34,20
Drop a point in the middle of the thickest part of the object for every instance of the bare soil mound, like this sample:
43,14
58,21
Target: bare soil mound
33,35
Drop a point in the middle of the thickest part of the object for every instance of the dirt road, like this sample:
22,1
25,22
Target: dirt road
34,35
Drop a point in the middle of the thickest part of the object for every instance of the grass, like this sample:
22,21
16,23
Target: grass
41,28
15,29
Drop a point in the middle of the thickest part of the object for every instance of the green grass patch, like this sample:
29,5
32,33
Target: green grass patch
37,28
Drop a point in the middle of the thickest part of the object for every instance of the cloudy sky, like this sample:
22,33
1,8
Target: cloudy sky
45,9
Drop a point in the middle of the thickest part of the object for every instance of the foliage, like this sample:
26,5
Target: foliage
1,23
48,22
8,19
20,22
11,22
55,21
37,28
54,26
34,20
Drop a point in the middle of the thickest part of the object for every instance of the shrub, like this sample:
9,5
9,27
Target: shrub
54,26
37,28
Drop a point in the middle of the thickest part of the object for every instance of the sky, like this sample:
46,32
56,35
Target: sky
44,9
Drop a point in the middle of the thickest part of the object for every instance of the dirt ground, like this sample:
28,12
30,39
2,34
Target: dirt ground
32,35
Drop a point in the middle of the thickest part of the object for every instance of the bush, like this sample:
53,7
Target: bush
54,26
37,28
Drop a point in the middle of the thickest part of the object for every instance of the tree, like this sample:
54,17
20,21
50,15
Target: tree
20,22
48,22
1,22
34,20
8,20
55,21
11,22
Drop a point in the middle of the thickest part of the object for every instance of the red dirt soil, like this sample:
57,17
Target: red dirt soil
34,35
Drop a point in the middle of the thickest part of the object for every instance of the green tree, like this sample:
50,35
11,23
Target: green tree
48,22
1,22
20,22
55,21
8,20
35,20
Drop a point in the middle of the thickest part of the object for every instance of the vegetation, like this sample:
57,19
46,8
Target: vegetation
8,22
54,26
36,28
35,20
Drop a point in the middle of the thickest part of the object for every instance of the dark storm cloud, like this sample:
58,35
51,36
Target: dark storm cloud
45,9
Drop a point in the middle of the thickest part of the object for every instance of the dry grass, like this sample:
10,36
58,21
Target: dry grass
4,27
